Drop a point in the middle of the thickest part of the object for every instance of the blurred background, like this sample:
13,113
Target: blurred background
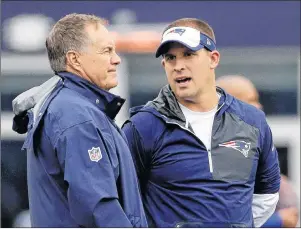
260,40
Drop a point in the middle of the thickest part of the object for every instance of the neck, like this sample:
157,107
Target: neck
78,73
203,103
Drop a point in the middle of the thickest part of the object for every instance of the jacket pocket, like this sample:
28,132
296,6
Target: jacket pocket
233,163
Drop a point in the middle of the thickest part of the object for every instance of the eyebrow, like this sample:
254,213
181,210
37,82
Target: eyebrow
108,47
168,54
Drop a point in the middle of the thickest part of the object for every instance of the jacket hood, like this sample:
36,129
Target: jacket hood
166,104
31,100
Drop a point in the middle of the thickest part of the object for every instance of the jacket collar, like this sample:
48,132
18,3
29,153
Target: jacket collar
107,102
166,105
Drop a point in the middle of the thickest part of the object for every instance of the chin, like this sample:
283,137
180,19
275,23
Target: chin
186,96
183,93
113,85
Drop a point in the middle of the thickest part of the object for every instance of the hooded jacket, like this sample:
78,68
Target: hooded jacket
184,185
80,170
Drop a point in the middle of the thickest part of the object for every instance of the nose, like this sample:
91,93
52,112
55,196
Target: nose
179,65
115,59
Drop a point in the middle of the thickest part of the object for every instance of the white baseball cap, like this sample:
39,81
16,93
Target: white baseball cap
187,36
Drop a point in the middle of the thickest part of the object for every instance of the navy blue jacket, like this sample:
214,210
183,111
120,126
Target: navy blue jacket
179,187
80,169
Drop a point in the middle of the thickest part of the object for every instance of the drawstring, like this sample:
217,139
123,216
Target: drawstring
186,124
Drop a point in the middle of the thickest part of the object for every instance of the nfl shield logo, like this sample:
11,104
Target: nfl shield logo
95,154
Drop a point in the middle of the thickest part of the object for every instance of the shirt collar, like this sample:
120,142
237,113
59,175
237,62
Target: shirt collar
107,102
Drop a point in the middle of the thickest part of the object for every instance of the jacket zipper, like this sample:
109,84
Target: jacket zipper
210,160
208,150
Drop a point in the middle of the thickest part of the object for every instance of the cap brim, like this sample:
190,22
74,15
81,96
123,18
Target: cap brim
162,49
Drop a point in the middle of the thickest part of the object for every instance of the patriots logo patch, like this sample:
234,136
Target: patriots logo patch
178,31
240,146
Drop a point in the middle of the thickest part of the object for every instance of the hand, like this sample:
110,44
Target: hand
289,216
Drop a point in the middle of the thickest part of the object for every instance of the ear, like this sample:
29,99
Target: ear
163,62
214,59
73,60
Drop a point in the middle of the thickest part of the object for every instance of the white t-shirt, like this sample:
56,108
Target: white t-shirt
201,123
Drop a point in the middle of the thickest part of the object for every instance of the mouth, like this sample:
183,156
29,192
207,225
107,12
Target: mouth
183,80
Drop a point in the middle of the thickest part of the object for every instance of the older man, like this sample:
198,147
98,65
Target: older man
80,170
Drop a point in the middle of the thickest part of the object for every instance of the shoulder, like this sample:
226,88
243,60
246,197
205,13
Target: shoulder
248,113
147,117
69,109
148,124
143,116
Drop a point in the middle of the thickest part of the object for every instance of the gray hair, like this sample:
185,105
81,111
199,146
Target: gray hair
69,34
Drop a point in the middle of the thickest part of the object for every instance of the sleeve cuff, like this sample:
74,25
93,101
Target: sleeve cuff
274,221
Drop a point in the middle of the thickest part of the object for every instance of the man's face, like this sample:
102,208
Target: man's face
99,62
188,73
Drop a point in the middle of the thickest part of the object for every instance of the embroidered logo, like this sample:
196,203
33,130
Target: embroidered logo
240,146
208,42
95,154
178,31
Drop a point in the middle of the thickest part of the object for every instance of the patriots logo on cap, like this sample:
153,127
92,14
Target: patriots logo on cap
178,31
240,146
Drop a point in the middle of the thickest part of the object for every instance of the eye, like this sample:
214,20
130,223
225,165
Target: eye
169,57
108,50
188,54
